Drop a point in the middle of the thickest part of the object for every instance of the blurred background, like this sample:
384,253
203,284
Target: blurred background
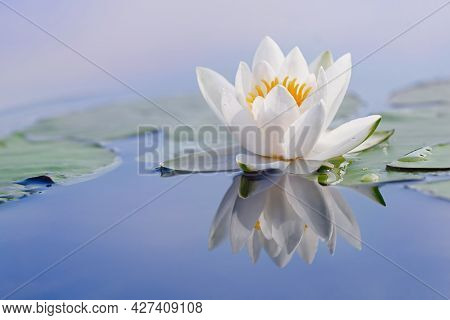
154,46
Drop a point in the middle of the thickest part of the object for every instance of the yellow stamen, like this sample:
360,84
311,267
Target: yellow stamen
259,90
257,225
298,91
268,86
306,93
301,88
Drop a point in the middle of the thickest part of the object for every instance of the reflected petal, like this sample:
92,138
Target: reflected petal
308,245
283,258
287,226
221,224
254,245
307,199
271,247
346,224
245,214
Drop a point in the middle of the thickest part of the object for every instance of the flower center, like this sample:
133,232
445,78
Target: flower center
257,225
298,91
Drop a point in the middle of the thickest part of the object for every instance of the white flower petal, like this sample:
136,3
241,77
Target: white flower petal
212,85
263,71
344,138
319,91
244,82
280,109
338,76
294,66
244,129
233,112
265,138
268,51
304,133
325,60
259,112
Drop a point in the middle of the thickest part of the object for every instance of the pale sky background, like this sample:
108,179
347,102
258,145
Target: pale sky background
155,45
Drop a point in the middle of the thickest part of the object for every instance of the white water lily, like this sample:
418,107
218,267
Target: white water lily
282,108
282,214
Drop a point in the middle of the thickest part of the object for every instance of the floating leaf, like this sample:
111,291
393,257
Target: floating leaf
371,192
414,128
428,93
440,189
27,167
435,157
221,159
122,119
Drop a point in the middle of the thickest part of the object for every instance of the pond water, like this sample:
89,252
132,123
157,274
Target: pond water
161,251
129,236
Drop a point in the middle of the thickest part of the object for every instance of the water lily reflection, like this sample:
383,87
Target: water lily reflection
283,214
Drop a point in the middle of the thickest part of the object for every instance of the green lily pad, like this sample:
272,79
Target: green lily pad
414,128
371,192
122,119
440,189
435,157
60,161
428,93
215,160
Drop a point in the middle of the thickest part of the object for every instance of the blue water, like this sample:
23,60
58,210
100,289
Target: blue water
162,250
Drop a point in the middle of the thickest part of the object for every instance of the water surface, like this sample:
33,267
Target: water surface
162,250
